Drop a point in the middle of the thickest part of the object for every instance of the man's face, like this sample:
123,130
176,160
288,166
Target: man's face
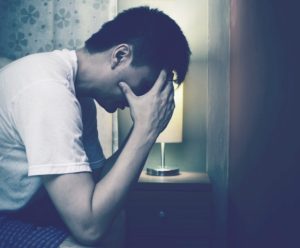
140,79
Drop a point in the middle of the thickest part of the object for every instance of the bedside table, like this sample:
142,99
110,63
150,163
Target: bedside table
172,211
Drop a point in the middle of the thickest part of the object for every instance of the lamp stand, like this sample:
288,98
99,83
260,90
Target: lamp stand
162,170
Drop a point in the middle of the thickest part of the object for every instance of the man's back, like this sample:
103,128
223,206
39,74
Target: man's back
31,91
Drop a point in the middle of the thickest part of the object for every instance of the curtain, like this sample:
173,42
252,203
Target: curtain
30,26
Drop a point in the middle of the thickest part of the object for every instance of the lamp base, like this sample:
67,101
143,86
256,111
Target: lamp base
159,171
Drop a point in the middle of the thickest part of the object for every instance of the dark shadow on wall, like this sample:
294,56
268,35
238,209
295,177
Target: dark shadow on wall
264,159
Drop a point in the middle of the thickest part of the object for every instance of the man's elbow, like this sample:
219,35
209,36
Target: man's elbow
95,234
89,235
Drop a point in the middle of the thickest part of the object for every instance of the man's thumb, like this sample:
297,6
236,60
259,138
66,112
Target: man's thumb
127,91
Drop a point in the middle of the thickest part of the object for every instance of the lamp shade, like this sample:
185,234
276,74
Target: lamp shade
173,132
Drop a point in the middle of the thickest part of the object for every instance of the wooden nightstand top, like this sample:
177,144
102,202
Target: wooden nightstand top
184,180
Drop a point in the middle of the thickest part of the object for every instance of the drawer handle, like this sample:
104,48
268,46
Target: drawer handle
162,214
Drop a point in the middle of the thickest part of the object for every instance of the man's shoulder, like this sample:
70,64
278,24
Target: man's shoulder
45,62
40,69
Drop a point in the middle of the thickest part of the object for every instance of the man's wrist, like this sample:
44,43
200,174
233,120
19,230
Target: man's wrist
147,134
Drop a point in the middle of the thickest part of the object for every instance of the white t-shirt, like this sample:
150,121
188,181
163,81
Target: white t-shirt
44,127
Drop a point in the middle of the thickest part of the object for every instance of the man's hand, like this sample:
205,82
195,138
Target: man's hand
153,110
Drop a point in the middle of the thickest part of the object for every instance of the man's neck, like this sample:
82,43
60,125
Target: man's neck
89,68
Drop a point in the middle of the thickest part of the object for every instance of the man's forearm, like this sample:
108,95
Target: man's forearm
110,192
88,208
109,163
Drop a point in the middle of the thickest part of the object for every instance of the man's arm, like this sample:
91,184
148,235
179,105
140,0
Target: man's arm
88,208
108,164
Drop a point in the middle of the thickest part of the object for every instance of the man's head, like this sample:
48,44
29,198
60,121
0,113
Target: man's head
157,40
134,47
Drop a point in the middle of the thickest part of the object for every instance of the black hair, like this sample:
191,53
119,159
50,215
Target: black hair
157,40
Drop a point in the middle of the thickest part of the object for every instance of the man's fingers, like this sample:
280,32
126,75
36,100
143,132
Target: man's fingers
169,89
171,95
160,81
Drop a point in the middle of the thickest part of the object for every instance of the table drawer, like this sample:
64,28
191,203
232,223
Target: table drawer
170,212
167,213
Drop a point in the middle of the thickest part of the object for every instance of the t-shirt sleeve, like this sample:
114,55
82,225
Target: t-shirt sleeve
48,119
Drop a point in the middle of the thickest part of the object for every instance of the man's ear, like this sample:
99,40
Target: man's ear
121,54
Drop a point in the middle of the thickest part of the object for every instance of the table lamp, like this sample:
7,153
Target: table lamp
172,134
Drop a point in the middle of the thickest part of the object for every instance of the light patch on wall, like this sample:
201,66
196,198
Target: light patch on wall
191,16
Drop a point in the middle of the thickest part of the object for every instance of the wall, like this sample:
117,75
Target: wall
218,114
192,17
264,198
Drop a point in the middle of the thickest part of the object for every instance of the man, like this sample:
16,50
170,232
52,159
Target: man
48,134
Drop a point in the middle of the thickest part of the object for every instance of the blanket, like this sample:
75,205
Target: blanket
18,234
